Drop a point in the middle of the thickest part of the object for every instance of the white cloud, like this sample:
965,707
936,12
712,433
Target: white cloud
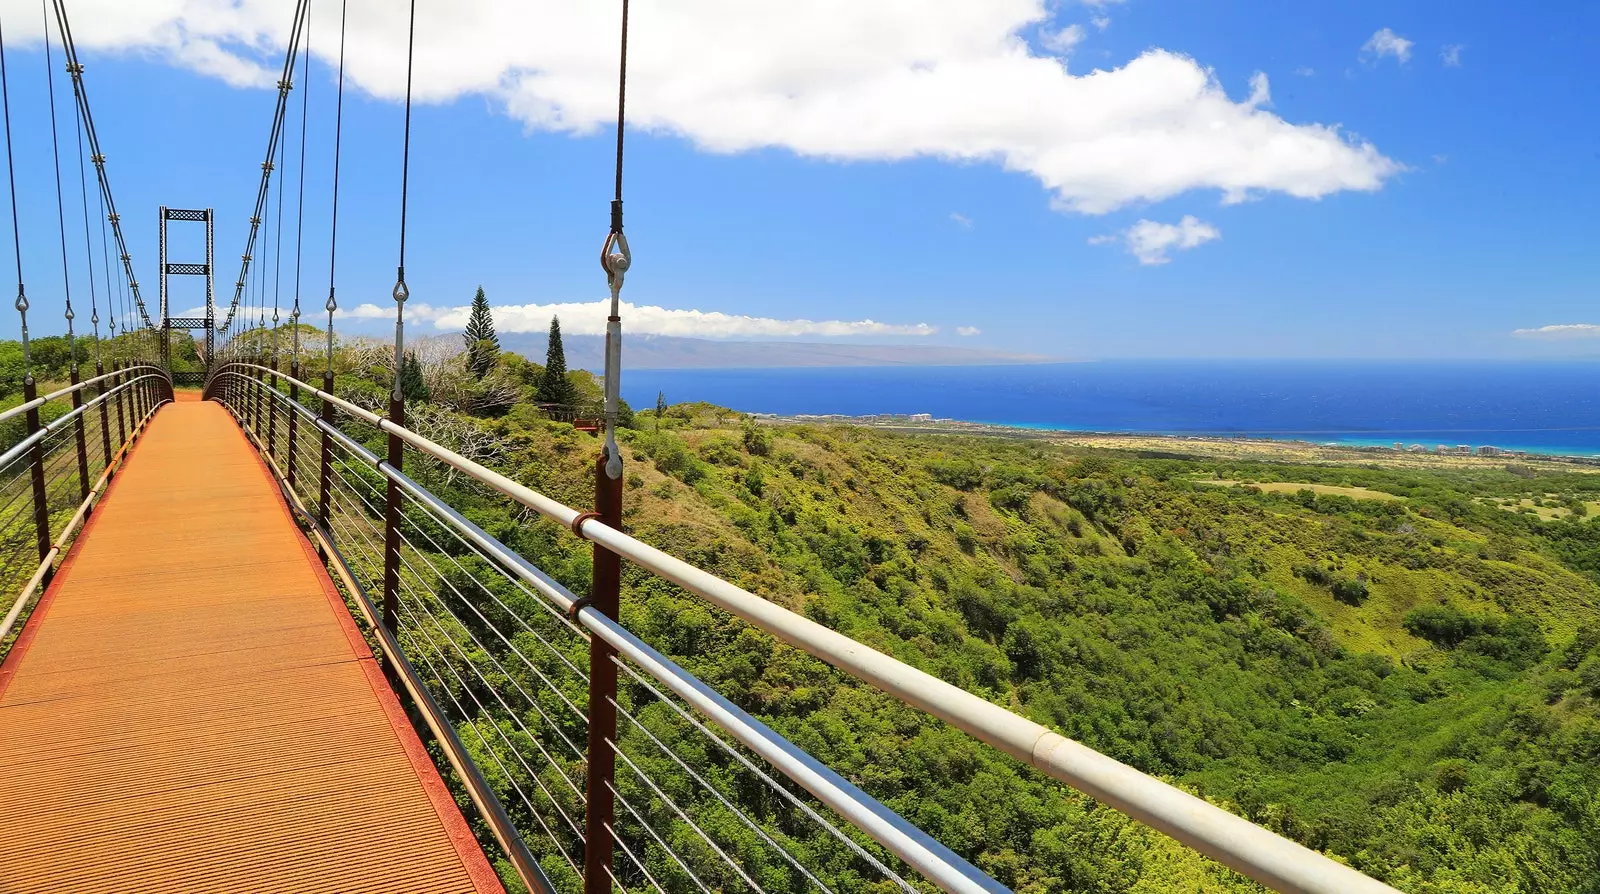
1560,332
961,220
1064,40
968,331
840,79
1451,55
589,318
1305,71
1150,241
1387,43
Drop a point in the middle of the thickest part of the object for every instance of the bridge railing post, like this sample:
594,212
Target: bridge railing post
294,398
77,432
325,461
605,595
122,419
272,410
41,505
105,413
392,518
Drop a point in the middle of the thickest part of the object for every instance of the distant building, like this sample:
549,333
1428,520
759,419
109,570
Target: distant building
1417,448
1488,450
1399,445
921,417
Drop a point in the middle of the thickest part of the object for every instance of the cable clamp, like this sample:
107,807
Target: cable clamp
577,523
578,605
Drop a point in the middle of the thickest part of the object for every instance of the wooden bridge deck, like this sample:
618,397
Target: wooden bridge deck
191,708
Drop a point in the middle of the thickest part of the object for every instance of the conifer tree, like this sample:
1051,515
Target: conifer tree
483,346
412,386
661,407
554,387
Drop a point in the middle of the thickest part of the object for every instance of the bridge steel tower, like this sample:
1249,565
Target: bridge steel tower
209,321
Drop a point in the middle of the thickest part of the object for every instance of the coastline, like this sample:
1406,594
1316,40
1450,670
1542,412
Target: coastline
1264,447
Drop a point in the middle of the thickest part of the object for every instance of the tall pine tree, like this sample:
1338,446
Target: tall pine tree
413,388
483,346
554,387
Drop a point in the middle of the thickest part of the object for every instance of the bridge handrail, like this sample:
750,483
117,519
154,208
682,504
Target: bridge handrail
52,548
1259,853
43,399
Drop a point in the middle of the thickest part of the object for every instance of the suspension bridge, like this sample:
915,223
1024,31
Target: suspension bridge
245,647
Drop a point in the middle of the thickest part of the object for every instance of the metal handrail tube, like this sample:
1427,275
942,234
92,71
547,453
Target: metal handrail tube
67,532
933,860
56,424
478,789
1256,852
40,401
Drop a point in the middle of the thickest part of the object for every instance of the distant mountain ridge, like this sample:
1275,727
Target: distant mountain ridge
673,352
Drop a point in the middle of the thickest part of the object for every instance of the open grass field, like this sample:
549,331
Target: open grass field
1289,487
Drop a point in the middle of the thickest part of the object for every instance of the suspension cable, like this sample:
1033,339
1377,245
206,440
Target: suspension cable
88,245
300,201
61,205
70,50
401,293
16,233
616,263
333,233
277,246
263,191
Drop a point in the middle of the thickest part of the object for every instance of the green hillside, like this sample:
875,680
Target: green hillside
1408,684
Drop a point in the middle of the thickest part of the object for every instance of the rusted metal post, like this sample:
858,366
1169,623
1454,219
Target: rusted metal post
77,432
294,418
41,506
325,464
105,413
391,519
605,596
122,421
272,410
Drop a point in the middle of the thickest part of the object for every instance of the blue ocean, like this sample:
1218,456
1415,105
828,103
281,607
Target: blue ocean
1536,406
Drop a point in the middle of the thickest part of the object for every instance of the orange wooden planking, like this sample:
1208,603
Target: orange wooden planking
191,708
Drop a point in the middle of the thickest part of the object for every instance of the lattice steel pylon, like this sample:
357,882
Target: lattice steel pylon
168,322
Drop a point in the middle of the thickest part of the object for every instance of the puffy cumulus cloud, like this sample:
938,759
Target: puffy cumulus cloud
1451,55
1560,332
834,79
1150,241
1385,42
967,331
589,318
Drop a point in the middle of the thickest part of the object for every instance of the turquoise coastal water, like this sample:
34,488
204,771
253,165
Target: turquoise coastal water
1544,406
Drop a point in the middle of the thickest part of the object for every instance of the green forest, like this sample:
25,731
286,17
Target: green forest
1411,685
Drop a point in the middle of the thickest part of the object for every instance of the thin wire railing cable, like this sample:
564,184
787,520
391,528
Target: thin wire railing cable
477,724
483,711
656,836
683,817
549,684
751,767
1237,843
622,842
371,512
743,818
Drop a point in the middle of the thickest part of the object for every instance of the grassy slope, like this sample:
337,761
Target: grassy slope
1170,625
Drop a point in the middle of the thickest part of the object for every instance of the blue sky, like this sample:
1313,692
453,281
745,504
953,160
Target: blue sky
1455,206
